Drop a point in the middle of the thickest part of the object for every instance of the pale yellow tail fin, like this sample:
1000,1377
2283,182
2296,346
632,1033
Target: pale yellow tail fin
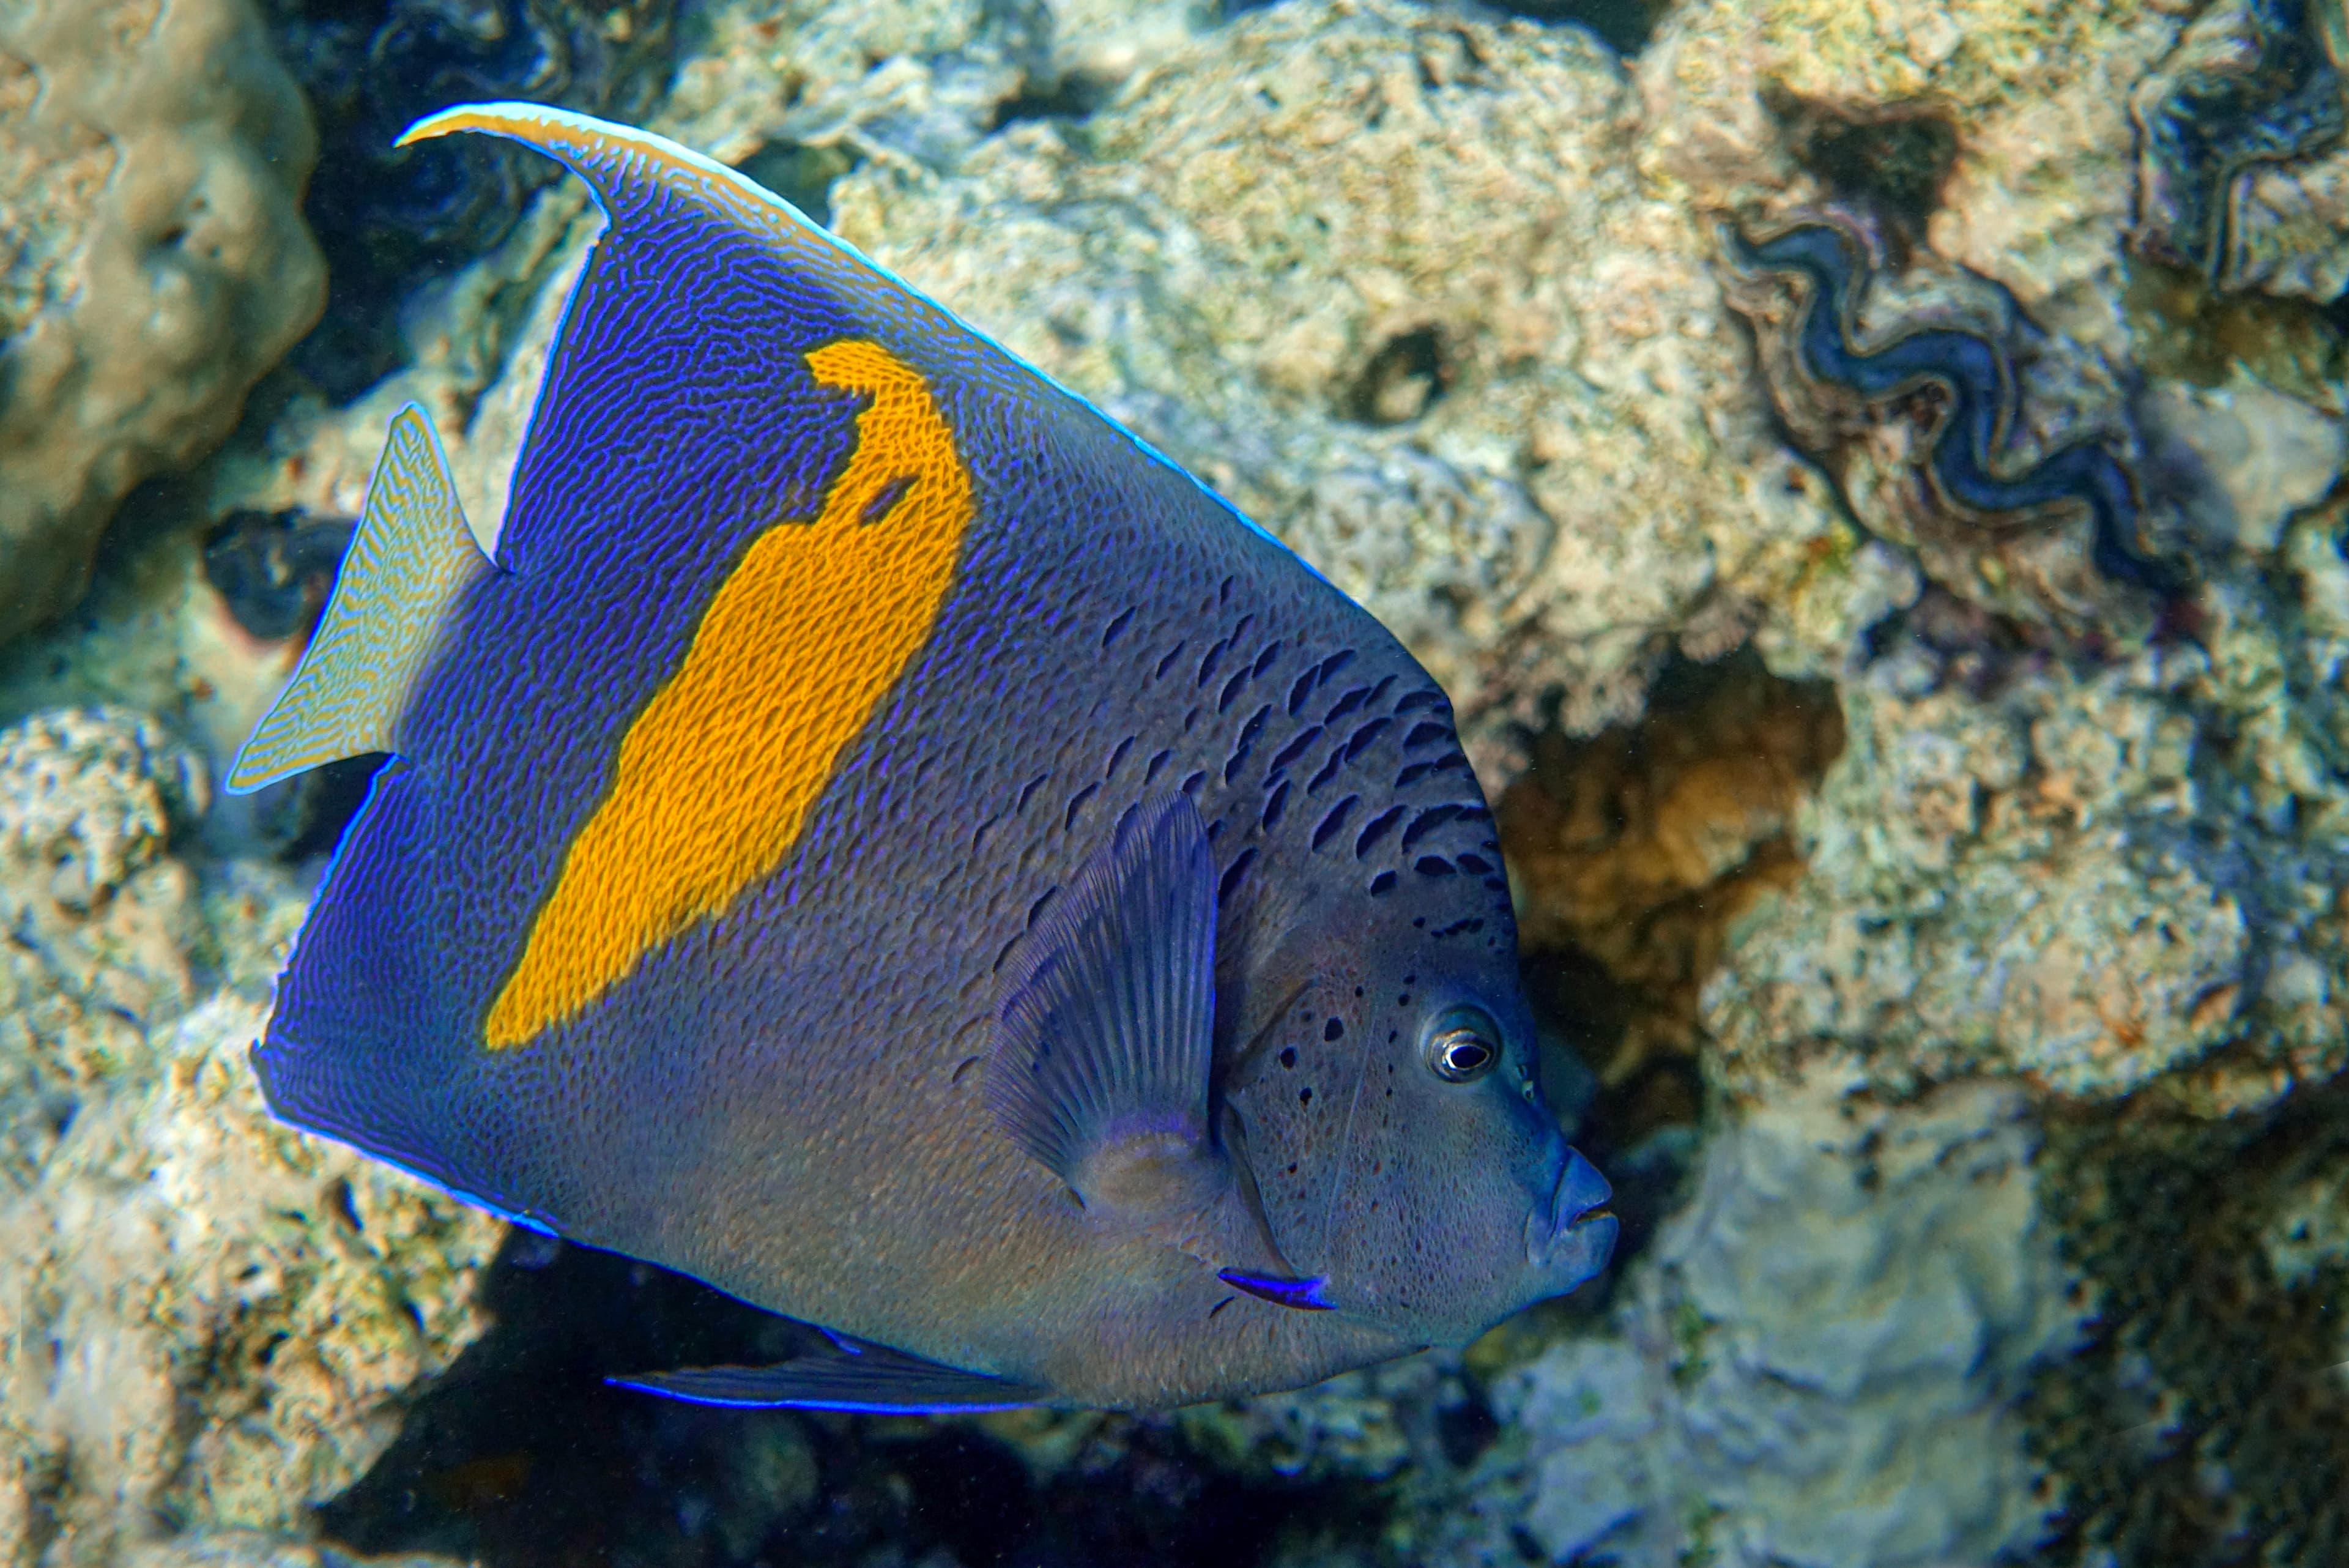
412,558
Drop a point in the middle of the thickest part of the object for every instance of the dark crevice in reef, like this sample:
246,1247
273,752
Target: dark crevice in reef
274,569
801,175
1633,853
1625,26
1892,162
520,1457
1070,98
1403,376
387,218
2205,1422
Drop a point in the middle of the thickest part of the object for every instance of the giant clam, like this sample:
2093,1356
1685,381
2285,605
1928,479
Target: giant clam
380,210
2233,132
1954,425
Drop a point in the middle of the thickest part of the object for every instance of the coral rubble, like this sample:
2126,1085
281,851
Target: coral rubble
209,1321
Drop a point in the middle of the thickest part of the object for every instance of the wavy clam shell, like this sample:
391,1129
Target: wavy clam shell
2241,171
1953,424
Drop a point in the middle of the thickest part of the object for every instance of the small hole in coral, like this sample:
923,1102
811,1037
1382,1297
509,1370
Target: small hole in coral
1404,376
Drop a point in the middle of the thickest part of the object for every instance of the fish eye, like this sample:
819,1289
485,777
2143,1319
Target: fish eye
1463,1045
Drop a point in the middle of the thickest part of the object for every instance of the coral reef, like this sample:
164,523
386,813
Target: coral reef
154,258
208,1321
1534,458
2104,878
1760,110
2207,1417
1816,1362
1935,899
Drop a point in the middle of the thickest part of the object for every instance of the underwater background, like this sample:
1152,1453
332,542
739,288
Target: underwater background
1867,471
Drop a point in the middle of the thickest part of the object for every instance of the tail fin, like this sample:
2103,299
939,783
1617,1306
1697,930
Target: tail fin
410,559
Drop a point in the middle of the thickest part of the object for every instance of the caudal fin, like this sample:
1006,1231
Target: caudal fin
412,558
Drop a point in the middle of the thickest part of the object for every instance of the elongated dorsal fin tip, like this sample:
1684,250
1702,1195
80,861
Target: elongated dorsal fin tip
610,158
410,558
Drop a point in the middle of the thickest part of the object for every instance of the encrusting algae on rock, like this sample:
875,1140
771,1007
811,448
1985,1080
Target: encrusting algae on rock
209,1321
155,261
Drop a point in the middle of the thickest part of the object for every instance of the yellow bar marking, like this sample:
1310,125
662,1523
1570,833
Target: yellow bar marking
716,777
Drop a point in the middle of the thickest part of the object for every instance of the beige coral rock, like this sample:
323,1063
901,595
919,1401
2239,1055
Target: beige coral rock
1536,456
2099,880
206,1319
2039,195
153,260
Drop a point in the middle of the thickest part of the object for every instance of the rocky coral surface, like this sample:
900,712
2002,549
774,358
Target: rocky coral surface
208,1321
153,260
1819,1363
1535,457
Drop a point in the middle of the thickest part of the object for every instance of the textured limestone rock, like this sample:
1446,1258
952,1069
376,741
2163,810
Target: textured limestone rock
1536,456
1754,108
2098,878
205,1319
1817,1362
153,260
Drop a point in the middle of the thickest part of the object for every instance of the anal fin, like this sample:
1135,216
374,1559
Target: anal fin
869,1379
410,560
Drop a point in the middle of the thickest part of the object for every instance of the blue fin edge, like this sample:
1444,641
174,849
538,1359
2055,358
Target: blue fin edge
1305,1295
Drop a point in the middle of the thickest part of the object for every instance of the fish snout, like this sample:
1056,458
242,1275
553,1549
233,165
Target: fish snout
1572,1236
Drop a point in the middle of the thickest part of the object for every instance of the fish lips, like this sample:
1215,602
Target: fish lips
1571,1237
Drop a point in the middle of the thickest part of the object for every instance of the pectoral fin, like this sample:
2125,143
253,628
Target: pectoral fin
1104,1035
1105,1043
866,1378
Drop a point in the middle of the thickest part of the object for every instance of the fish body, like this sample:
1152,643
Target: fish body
883,841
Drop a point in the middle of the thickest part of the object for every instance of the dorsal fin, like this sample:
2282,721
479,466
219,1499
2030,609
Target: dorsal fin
678,372
410,560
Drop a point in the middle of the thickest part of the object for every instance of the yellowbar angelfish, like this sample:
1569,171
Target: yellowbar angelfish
883,840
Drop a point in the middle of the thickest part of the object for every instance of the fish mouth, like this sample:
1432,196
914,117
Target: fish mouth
1573,1234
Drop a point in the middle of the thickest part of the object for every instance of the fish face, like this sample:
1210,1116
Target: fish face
1402,1149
